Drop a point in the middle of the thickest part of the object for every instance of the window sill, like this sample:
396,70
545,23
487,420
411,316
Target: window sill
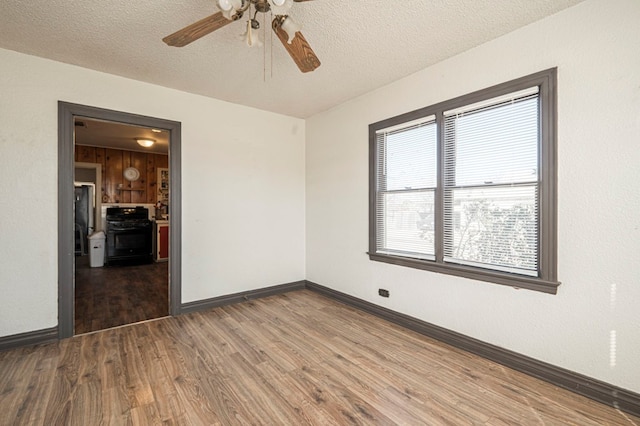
502,278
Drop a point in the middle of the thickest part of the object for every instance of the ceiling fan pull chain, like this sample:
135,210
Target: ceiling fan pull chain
264,50
270,45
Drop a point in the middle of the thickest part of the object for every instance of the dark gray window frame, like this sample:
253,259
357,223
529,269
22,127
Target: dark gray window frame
547,281
66,294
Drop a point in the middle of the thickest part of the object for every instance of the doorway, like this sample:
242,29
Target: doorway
68,261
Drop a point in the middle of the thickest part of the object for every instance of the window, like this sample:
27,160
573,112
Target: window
468,186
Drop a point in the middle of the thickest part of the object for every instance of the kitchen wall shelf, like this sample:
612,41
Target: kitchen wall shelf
163,185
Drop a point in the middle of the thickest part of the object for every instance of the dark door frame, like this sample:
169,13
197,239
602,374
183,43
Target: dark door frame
66,254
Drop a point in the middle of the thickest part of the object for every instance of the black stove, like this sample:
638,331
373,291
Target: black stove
129,235
127,213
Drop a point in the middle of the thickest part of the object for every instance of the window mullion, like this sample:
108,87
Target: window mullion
439,191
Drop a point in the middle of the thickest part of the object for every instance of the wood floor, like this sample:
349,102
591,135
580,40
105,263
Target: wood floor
291,359
116,295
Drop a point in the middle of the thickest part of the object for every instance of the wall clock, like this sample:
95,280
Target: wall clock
131,174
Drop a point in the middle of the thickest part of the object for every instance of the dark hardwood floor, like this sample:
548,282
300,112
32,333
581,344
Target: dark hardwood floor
116,295
292,359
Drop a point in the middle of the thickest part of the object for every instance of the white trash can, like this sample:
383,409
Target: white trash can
96,249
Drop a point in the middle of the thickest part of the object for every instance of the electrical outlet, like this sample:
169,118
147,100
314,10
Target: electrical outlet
382,292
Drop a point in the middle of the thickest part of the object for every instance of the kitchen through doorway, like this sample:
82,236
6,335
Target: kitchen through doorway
121,264
119,211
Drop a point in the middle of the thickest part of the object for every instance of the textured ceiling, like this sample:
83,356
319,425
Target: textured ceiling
362,44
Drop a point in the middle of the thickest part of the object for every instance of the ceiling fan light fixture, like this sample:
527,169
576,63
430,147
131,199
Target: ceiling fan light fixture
291,27
250,37
225,5
145,142
281,7
231,8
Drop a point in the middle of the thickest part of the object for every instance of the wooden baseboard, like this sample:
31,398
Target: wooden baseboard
35,337
597,390
229,299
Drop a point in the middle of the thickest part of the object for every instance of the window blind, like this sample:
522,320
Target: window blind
491,184
406,178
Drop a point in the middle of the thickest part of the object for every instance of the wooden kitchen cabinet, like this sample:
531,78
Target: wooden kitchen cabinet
161,240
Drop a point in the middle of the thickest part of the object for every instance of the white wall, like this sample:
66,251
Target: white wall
242,176
595,47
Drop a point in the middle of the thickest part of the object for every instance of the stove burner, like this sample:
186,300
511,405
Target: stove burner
126,213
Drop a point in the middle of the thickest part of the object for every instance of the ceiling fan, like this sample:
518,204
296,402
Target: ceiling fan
232,10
